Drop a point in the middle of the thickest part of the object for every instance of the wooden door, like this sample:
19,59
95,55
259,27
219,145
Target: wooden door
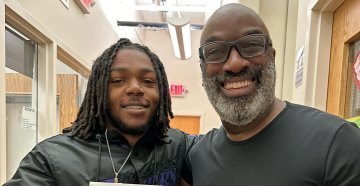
67,90
346,29
188,124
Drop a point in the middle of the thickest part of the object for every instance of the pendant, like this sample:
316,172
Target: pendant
116,180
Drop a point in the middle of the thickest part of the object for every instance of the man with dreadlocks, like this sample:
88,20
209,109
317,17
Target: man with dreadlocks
121,133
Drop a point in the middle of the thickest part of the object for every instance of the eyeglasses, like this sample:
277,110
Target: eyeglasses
247,46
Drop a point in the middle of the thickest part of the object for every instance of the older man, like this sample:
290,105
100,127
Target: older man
263,141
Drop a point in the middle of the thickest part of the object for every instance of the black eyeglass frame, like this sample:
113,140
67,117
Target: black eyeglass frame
234,44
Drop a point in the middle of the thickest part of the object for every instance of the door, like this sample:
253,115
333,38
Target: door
345,35
21,85
188,124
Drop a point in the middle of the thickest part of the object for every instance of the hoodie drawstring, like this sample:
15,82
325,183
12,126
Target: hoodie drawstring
99,158
153,182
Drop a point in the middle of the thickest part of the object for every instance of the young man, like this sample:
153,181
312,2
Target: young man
263,140
121,133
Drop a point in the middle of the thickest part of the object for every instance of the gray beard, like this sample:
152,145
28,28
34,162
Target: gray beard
241,111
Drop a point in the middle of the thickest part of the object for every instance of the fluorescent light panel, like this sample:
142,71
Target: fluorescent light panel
179,30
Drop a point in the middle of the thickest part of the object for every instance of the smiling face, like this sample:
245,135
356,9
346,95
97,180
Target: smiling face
133,92
240,89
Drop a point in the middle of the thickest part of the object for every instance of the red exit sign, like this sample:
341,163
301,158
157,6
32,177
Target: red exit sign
177,90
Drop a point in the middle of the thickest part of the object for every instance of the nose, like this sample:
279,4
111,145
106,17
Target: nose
134,88
235,62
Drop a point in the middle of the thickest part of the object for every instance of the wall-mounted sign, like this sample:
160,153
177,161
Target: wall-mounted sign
66,3
85,5
356,68
299,71
28,118
177,90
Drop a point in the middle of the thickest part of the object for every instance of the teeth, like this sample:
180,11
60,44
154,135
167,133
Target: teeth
237,85
134,107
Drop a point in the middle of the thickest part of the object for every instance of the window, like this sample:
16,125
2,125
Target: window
21,97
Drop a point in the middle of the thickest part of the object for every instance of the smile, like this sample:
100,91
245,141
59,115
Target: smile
134,107
238,85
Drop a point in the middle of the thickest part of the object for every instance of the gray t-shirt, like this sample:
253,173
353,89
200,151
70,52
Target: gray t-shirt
301,146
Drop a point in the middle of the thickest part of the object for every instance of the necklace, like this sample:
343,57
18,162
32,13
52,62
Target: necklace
116,179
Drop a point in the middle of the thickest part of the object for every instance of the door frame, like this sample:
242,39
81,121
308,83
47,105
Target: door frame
317,53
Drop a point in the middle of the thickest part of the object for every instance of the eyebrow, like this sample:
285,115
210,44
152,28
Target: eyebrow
209,39
249,32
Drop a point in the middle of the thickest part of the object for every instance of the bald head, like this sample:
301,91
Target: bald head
228,21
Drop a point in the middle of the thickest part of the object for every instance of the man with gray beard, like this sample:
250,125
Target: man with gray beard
263,141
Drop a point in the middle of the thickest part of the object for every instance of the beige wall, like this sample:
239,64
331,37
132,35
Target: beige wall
86,34
277,24
303,19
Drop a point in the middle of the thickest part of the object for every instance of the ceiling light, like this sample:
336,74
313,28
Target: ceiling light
156,8
179,28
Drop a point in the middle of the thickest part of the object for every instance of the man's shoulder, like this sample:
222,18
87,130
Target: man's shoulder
60,139
310,113
178,135
313,120
208,138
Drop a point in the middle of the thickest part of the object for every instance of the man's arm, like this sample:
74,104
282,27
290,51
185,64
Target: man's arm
186,179
343,162
34,169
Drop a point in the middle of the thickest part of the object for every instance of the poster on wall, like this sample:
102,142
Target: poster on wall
28,118
356,69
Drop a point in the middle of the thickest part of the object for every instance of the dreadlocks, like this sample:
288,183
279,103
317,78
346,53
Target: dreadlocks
91,116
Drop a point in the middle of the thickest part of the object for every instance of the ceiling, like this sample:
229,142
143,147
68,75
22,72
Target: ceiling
156,11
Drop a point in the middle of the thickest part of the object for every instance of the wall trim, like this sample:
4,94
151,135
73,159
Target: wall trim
2,97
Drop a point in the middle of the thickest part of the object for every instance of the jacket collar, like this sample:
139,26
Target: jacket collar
114,137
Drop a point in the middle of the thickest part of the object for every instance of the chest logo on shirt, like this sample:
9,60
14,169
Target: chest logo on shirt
165,177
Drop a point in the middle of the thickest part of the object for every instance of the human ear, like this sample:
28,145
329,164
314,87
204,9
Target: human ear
274,52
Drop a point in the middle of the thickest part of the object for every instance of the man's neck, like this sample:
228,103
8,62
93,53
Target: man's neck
241,133
132,139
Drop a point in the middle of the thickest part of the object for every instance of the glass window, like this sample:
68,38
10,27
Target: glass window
21,97
353,93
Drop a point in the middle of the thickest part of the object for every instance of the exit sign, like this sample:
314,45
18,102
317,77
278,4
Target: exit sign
177,90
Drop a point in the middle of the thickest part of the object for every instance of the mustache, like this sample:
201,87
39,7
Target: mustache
256,73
